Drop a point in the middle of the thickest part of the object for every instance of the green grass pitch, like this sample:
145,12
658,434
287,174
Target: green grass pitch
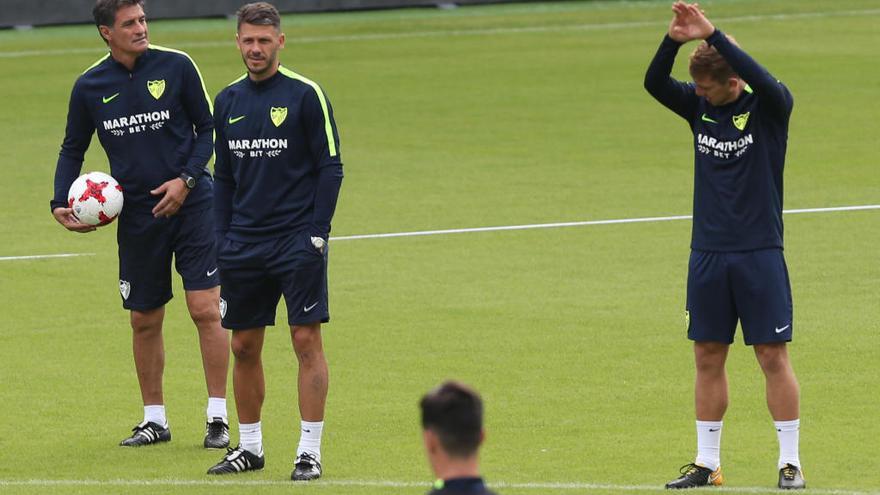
471,117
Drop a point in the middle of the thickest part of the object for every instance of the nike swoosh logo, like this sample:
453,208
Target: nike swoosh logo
232,121
706,118
780,330
108,99
716,429
212,272
309,308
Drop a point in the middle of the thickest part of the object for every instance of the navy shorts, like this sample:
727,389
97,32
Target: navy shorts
146,247
749,286
255,275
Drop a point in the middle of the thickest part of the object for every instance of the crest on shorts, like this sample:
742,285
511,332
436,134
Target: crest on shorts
222,308
278,114
124,289
739,121
687,320
156,88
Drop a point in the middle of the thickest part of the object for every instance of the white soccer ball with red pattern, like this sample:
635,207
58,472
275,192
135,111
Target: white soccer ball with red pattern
96,198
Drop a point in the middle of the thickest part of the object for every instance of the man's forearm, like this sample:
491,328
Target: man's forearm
659,70
673,94
66,171
747,68
329,183
203,148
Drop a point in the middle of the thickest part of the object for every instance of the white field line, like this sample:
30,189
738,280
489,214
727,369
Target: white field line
506,227
403,484
387,483
468,32
581,224
43,256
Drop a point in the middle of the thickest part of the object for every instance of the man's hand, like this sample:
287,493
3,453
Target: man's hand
319,243
689,23
175,192
65,217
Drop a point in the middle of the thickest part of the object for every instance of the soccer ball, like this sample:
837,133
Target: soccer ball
96,198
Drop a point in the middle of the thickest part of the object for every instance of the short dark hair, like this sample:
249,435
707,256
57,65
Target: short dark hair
260,14
104,11
454,412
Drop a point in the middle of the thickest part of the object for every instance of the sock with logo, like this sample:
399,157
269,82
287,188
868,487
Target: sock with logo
310,438
250,437
217,408
709,444
788,433
156,414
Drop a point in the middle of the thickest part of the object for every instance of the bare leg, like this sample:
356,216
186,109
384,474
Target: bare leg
313,374
204,309
710,392
149,353
783,392
247,374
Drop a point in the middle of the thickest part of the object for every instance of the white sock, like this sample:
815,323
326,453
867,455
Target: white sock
709,444
250,437
310,438
788,433
217,409
156,414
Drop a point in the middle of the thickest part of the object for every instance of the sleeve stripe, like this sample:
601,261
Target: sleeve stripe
212,158
328,128
239,79
97,63
198,72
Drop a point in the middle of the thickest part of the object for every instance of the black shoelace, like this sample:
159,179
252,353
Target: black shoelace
216,428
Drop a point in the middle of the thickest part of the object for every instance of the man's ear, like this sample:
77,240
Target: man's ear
105,32
432,443
732,83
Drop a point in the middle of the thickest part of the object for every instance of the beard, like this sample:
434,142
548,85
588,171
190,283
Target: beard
268,61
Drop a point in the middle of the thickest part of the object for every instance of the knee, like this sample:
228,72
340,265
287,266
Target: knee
244,350
146,322
710,360
204,314
307,342
710,366
773,358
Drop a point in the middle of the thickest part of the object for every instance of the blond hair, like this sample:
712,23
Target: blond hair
706,61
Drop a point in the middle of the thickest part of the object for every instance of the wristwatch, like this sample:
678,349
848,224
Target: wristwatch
189,180
319,244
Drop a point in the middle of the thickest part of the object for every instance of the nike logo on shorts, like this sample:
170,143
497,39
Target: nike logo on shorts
309,308
780,330
212,272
